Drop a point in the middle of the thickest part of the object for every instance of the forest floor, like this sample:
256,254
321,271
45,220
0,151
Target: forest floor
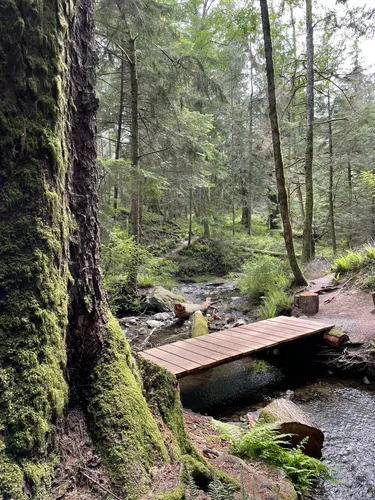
350,309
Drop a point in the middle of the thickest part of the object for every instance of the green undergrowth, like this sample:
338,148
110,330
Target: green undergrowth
266,443
216,255
267,280
122,257
354,261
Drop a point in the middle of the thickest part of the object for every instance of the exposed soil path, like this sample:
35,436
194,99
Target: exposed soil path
350,309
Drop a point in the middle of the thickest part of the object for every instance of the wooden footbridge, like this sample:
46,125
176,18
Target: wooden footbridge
194,355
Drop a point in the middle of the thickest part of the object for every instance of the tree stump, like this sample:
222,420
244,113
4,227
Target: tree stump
308,302
373,297
294,421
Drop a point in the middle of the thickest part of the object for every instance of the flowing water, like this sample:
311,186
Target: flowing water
343,409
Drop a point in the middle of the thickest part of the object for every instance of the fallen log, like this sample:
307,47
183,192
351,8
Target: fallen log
185,310
335,338
292,420
199,325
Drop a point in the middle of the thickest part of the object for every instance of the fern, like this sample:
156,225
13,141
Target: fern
229,432
265,442
191,490
220,491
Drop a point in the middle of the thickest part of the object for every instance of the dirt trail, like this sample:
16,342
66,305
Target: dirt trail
350,309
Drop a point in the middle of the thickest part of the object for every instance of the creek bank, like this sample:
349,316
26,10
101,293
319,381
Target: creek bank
260,480
158,326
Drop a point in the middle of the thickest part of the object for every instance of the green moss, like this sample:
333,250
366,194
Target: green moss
163,397
126,434
11,480
199,325
34,276
175,494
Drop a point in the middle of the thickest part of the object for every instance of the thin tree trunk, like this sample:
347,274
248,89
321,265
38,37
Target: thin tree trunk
135,209
330,188
190,215
206,224
119,133
307,250
251,146
279,165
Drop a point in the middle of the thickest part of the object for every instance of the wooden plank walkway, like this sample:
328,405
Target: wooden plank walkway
193,355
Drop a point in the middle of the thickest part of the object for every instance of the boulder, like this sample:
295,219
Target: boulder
160,299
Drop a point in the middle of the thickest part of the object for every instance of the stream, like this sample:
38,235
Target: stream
343,408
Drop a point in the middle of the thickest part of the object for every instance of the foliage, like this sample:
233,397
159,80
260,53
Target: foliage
120,257
266,443
354,261
275,303
217,256
263,274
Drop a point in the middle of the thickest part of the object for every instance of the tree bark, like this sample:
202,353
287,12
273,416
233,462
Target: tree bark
59,345
330,187
135,209
119,132
279,165
307,249
294,421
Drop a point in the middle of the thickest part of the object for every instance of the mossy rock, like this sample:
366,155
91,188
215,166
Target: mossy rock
159,299
199,325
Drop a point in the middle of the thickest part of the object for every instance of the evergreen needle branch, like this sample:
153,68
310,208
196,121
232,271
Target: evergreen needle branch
152,153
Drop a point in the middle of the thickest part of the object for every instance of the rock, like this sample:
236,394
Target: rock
366,381
142,331
152,323
162,316
240,322
128,321
160,299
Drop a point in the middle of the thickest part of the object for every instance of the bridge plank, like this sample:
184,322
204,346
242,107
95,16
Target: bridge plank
176,370
291,321
199,349
265,331
189,356
174,359
184,353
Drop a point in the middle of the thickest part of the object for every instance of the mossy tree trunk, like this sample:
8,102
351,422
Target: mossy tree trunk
58,342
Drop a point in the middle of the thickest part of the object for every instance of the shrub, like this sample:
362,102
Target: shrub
121,259
353,261
275,303
264,274
266,443
217,256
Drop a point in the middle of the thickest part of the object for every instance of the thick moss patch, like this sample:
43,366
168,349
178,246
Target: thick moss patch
125,432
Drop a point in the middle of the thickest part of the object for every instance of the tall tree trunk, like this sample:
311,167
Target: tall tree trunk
251,146
206,223
119,132
190,216
135,210
279,165
58,341
330,188
307,250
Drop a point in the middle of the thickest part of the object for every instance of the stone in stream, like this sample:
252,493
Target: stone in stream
164,316
152,323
